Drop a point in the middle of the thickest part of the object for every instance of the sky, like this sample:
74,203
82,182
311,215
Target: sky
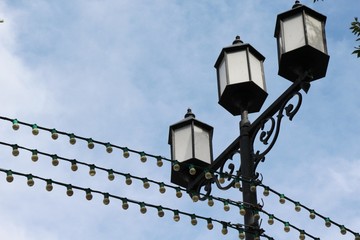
123,72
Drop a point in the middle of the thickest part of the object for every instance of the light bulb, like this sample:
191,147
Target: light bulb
178,193
327,222
242,210
128,180
237,183
49,186
9,176
253,188
282,198
241,234
286,227
159,162
88,195
195,197
15,125
176,166
54,134
193,220
111,175
210,225
312,214
176,216
35,130
297,207
226,206
125,204
15,150
221,179
126,153
342,230
106,199
256,215
266,192
146,183
55,160
160,212
91,144
92,170
224,230
210,201
74,166
69,191
30,180
143,157
162,188
271,219
72,139
208,175
34,156
143,208
192,170
357,236
302,235
109,148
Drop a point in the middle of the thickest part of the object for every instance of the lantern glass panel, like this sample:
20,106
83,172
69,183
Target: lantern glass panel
238,67
294,35
202,144
222,76
182,144
314,33
256,69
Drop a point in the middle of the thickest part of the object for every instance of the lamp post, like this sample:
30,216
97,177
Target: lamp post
303,58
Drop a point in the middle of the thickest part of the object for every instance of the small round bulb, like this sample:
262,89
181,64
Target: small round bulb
126,153
74,166
193,220
69,191
224,230
237,183
106,199
226,206
162,188
35,130
15,150
34,156
55,160
72,139
143,157
302,235
241,234
176,166
271,219
9,176
312,214
30,181
111,175
109,148
128,180
327,222
210,201
195,197
159,162
178,193
146,183
282,199
143,208
256,215
90,144
88,195
49,186
297,207
266,192
242,210
125,204
92,170
286,227
192,170
208,175
54,134
160,212
210,225
253,188
222,179
357,236
176,216
15,125
342,230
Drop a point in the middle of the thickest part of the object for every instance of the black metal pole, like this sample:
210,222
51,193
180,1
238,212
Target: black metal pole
247,173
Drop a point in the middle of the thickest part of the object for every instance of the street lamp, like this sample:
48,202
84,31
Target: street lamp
303,58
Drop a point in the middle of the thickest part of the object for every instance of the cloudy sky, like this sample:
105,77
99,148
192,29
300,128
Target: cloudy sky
122,72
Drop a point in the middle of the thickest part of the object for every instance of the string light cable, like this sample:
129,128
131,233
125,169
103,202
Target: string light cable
242,229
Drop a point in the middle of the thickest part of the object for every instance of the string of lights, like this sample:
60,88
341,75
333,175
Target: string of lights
298,206
125,203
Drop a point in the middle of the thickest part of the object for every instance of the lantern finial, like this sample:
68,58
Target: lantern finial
189,114
237,40
297,4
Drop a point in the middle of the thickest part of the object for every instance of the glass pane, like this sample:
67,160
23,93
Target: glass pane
238,67
182,143
202,145
293,30
222,75
314,33
256,69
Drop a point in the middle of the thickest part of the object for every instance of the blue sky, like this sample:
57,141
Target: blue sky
122,72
